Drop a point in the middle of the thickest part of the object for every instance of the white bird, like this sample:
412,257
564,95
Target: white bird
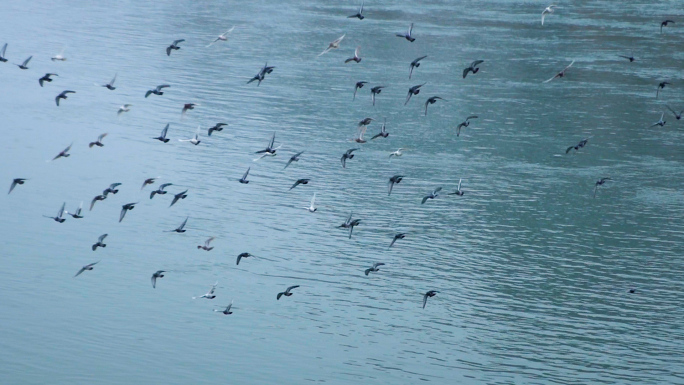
194,140
59,56
397,153
562,73
210,293
660,122
312,208
222,37
334,45
547,11
124,108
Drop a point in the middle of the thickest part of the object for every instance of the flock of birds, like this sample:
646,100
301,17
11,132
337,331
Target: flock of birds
271,149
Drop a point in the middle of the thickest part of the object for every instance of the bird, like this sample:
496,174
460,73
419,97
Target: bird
357,86
188,106
415,64
206,244
335,44
407,34
58,218
46,78
64,153
97,198
261,75
664,24
465,123
63,95
458,191
630,58
286,292
362,131
210,294
383,131
579,145
181,228
160,190
600,182
179,196
148,181
397,153
15,182
415,90
661,86
216,127
347,155
562,73
300,181
125,208
2,53
194,140
312,208
293,158
162,137
124,108
244,180
365,122
98,142
222,37
374,268
86,267
157,90
374,91
356,57
59,56
353,224
359,14
473,67
99,242
269,150
111,189
678,116
174,46
430,293
110,85
432,195
395,179
431,100
547,11
226,311
77,214
660,122
396,237
157,274
23,65
242,255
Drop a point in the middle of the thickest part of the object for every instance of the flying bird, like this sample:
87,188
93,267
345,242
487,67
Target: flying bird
300,181
660,122
359,14
312,208
293,158
64,153
125,208
244,180
259,77
473,67
458,191
23,65
222,37
59,56
432,195
46,78
357,86
365,122
600,182
86,267
353,224
430,293
15,182
661,86
546,11
110,85
124,108
562,73
2,53
579,145
286,292
374,268
157,274
431,100
111,189
415,90
383,131
395,179
181,228
335,44
157,90
397,153
58,218
63,95
465,124
226,311
664,24
162,137
407,35
174,46
97,198
630,58
77,214
242,255
98,142
148,181
160,190
396,237
179,196
100,242
210,294
188,106
415,64
356,57
217,127
347,155
375,91
359,139
206,246
678,116
269,150
194,140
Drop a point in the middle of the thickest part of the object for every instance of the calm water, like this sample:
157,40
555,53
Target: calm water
533,272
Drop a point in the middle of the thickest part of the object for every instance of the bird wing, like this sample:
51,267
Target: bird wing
356,51
425,297
543,16
102,237
392,243
61,211
425,198
178,41
465,72
159,88
476,63
246,173
459,184
554,76
113,80
183,224
165,185
27,61
80,271
292,287
270,145
4,48
313,200
438,189
165,130
99,138
472,117
122,214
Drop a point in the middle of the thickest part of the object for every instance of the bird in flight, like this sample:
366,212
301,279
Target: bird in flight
396,237
397,153
415,90
383,131
46,78
110,85
124,108
661,86
335,44
210,294
157,274
300,181
458,191
125,208
63,95
664,24
630,58
356,57
194,140
174,46
347,155
415,64
433,195
226,311
218,127
546,11
59,217
59,56
287,292
357,86
86,267
660,122
181,228
579,145
374,268
430,293
312,208
677,116
562,73
407,35
242,255
359,14
244,180
222,37
157,90
179,196
162,137
77,214
206,246
64,153
375,91
600,182
431,100
473,67
2,53
23,65
148,181
395,179
465,124
293,158
15,182
269,150
99,242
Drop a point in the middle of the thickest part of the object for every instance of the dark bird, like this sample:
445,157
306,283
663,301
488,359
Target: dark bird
458,191
678,116
415,64
383,131
359,14
664,24
160,190
86,267
125,208
660,87
431,100
244,180
356,57
157,90
111,189
63,95
269,150
347,155
392,181
374,268
15,182
97,198
60,213
98,142
397,236
147,181
430,293
64,153
374,91
407,35
206,246
465,124
660,122
365,122
179,196
357,86
473,67
77,214
110,85
157,274
353,224
210,294
265,70
188,106
226,311
242,255
286,292
174,46
600,182
415,90
24,64
562,73
46,78
218,127
293,158
632,291
181,228
579,145
432,195
300,181
347,222
162,137
2,53
100,241
630,58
